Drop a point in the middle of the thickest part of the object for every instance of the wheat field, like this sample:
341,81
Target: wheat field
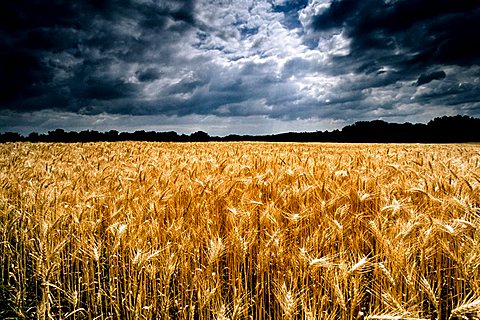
135,230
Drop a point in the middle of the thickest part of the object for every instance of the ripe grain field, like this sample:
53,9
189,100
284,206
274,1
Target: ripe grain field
239,231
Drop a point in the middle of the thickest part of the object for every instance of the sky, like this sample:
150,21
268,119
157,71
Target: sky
235,66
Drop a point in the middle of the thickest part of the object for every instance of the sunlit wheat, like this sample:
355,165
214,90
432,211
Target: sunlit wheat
137,230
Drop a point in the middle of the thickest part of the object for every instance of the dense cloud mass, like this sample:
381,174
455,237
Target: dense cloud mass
225,66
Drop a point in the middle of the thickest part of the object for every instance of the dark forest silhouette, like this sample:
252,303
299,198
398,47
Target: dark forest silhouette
445,129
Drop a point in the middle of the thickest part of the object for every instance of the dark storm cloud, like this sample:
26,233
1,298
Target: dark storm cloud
107,89
148,75
429,77
50,49
393,43
423,32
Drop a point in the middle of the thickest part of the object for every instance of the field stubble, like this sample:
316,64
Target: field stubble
239,231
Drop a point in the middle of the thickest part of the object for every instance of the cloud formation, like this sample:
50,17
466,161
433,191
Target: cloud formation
429,77
276,61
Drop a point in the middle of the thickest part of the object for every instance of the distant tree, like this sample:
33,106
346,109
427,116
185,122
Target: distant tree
33,137
58,135
11,137
111,135
443,129
200,136
454,129
170,136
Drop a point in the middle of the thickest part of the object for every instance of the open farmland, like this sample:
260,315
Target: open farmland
239,231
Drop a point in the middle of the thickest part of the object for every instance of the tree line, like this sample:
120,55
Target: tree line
446,129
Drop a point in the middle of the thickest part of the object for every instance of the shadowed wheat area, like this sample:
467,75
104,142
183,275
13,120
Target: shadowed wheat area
239,231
